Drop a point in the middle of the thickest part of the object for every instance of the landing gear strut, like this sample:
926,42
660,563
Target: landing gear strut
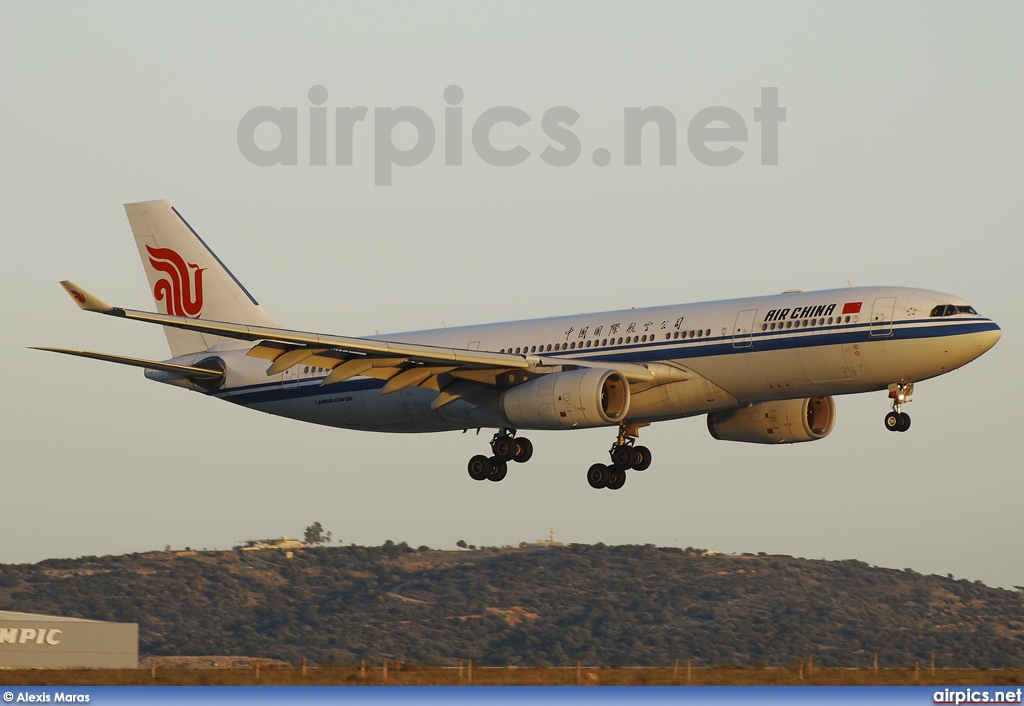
899,393
625,455
505,447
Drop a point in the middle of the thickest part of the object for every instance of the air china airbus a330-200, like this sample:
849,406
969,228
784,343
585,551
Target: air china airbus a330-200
763,369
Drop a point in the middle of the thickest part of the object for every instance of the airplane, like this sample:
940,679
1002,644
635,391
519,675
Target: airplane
763,369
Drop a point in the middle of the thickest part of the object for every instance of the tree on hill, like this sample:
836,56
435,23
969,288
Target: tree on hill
315,534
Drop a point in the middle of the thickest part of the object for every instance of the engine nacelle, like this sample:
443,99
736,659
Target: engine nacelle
573,399
781,422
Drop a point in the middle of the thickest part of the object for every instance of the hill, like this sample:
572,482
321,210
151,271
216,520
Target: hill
635,605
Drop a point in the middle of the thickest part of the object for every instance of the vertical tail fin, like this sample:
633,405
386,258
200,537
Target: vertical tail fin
187,278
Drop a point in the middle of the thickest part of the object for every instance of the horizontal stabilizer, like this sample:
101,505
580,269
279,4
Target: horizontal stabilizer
187,370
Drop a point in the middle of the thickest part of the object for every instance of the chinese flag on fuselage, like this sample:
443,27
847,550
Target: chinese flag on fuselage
852,307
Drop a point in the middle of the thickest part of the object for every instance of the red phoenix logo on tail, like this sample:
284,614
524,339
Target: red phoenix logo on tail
182,299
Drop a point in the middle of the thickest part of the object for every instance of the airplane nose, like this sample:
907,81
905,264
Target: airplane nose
984,340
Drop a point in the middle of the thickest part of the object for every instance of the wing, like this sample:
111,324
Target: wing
452,372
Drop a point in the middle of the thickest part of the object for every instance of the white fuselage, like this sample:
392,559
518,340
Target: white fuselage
726,354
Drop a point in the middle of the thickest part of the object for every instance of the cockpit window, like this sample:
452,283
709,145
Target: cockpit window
952,310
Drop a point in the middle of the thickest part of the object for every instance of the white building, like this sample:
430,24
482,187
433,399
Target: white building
29,640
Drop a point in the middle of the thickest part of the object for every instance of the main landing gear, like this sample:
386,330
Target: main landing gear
505,447
625,455
899,393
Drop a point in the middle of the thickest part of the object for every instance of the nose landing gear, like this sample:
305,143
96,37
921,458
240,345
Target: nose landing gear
505,447
899,393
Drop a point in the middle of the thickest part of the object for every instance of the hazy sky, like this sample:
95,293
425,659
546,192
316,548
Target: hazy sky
900,162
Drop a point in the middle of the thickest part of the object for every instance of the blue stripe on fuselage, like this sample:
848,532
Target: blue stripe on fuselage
787,339
310,387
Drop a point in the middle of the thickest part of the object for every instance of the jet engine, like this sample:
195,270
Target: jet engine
570,399
780,422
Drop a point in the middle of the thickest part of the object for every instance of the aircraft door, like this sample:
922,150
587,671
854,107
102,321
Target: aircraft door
743,332
290,377
881,316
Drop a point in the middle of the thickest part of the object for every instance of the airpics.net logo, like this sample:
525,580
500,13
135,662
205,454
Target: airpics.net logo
715,136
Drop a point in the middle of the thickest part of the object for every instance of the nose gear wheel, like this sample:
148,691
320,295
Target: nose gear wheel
899,393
